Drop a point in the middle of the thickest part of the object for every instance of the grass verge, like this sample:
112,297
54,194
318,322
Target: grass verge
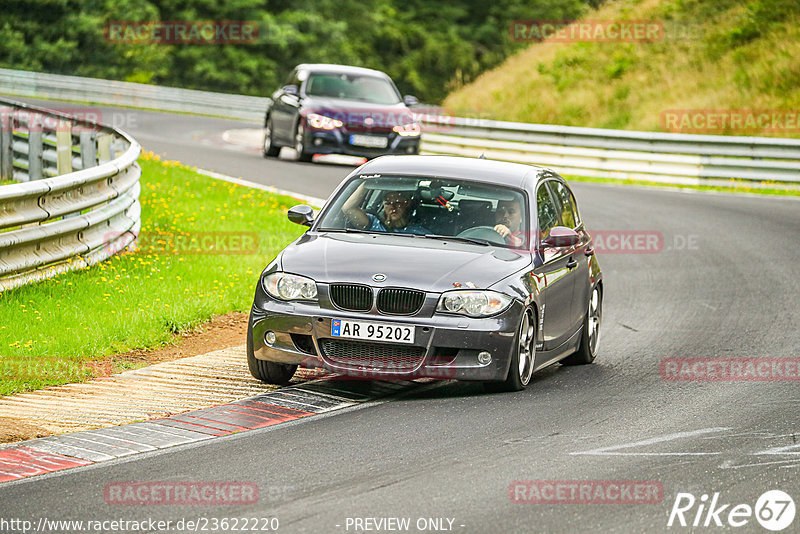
183,274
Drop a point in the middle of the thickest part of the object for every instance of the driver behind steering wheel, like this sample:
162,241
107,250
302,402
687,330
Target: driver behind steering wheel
508,219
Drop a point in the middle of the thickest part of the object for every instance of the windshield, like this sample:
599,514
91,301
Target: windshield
353,87
433,207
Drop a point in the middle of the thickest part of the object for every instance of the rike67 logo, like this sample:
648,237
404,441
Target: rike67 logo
774,510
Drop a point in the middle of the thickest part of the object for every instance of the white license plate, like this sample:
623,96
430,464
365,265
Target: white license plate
372,331
369,141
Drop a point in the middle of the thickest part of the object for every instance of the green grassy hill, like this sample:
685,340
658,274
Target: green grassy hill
714,55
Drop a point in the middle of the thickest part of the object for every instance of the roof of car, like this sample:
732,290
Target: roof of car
483,170
344,69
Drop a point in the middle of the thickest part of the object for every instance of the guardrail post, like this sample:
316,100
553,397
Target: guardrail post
35,147
6,132
104,148
88,149
64,148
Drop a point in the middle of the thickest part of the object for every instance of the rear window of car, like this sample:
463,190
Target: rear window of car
441,206
371,89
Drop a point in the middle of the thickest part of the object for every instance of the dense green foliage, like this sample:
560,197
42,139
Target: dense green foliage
429,48
734,55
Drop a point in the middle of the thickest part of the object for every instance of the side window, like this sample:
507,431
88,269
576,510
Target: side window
548,217
566,205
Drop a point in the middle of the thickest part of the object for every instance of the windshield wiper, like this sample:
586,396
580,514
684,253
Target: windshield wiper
472,240
363,231
351,230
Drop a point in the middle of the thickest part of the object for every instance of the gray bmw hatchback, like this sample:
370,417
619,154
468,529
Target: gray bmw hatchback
432,266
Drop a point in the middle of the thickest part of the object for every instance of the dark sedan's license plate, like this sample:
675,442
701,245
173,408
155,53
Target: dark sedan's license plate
369,141
372,331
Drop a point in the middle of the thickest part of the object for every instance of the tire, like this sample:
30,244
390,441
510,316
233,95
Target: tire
590,335
269,147
268,372
521,368
299,145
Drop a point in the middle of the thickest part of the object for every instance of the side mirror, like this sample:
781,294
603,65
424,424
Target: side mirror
561,236
301,214
410,100
289,89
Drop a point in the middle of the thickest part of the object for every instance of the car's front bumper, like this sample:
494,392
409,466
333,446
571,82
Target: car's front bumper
445,346
338,142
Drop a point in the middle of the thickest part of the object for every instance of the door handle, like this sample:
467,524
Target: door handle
572,263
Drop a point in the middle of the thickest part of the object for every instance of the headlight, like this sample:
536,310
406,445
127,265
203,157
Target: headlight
321,122
475,303
285,286
408,130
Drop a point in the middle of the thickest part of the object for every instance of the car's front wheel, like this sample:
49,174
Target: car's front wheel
521,368
590,336
300,144
269,372
270,149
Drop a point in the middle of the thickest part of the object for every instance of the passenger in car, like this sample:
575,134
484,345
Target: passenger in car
508,219
397,206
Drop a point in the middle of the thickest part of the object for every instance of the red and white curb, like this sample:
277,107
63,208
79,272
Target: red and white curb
77,449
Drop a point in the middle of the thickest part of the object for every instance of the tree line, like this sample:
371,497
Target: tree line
428,48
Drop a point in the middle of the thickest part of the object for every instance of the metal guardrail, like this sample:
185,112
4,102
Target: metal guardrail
77,202
593,152
114,93
661,157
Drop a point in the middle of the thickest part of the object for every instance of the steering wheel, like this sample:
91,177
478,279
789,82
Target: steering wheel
486,233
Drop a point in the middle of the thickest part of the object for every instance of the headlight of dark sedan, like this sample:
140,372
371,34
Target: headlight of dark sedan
321,122
285,286
411,129
474,303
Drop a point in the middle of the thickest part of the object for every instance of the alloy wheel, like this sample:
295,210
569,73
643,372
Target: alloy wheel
595,314
526,348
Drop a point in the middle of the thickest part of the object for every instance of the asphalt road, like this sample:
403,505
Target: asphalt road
725,284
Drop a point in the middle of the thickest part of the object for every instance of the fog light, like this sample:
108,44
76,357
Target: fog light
317,141
484,358
410,150
269,337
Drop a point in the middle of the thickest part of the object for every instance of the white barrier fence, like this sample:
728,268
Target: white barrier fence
113,93
660,157
77,197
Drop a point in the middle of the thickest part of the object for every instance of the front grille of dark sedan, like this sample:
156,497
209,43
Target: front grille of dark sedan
397,301
380,357
351,297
